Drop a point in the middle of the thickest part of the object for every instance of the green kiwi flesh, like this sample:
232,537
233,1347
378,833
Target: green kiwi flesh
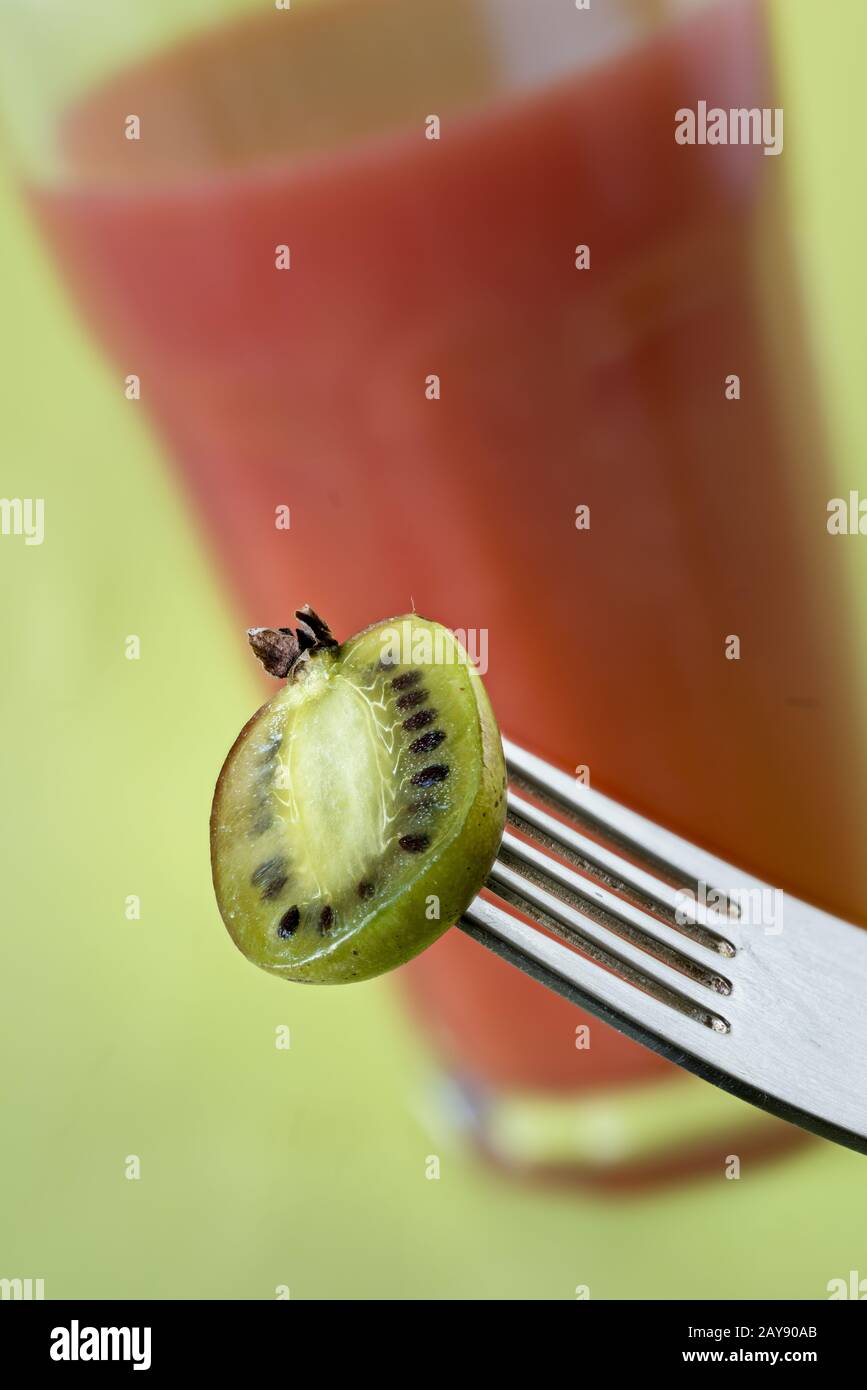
360,810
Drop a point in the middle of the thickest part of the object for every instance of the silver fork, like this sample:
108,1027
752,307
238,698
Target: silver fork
750,989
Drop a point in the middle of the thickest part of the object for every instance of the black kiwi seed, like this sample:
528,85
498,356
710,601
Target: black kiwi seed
414,843
262,821
409,678
288,924
326,917
271,877
426,744
413,697
366,890
418,721
437,772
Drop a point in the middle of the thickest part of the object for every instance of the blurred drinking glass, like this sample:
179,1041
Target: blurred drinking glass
440,280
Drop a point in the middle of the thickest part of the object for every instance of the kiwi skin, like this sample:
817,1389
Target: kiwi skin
453,870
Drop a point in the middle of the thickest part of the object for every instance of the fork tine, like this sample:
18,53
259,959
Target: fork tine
604,818
791,1036
695,992
608,868
563,970
532,867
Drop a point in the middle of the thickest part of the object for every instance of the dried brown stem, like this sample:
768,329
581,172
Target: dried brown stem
282,651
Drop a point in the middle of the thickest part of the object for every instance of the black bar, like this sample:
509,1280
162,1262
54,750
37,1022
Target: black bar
251,1337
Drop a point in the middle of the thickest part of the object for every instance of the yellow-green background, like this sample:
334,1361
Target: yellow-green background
303,1167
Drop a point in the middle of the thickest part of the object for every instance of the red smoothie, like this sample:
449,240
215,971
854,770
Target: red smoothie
558,387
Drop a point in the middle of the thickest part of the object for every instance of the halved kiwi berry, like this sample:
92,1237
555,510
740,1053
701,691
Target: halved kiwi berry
359,811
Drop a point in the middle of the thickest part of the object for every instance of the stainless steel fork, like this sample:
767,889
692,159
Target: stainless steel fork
749,988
